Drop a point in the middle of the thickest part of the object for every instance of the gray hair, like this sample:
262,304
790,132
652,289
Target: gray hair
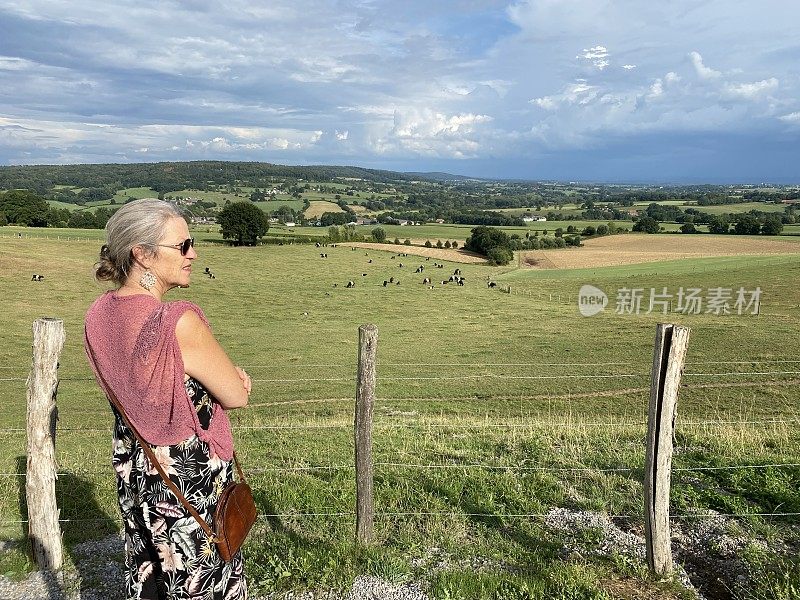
137,223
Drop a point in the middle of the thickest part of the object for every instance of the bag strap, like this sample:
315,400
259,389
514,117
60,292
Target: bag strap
151,455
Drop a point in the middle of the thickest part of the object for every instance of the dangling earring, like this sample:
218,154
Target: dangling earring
148,280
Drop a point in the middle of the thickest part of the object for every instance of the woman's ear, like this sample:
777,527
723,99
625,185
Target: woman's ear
141,256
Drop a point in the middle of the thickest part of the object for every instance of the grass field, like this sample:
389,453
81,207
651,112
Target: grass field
492,410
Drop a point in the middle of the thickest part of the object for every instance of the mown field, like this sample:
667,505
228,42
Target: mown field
493,409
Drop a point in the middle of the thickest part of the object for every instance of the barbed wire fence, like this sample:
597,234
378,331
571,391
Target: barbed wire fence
776,372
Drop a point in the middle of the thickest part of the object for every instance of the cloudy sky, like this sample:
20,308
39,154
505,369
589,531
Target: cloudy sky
604,90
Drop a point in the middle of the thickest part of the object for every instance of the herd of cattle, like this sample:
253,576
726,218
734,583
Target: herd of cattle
456,277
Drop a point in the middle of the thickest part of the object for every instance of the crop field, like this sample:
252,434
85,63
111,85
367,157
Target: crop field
318,207
493,410
634,248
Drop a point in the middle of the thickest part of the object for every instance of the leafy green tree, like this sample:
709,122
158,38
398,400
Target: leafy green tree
718,224
747,225
454,244
242,223
447,244
500,255
379,235
439,244
688,228
646,225
602,230
772,225
407,242
483,239
589,230
24,208
428,244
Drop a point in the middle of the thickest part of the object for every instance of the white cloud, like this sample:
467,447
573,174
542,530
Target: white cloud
791,117
703,71
751,90
672,77
342,135
579,93
628,67
597,56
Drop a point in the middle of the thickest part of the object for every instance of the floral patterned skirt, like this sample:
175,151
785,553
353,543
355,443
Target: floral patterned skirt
167,554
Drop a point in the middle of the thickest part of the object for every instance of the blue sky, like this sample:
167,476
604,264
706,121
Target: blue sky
604,90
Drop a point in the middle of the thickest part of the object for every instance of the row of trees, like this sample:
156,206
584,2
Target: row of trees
21,207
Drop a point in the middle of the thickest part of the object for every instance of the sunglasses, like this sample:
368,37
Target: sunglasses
182,246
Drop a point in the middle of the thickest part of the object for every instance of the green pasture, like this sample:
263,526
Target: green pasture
492,409
743,207
138,192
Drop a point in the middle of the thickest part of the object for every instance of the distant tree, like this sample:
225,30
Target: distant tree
588,230
646,225
773,225
379,235
397,241
242,223
602,230
688,228
454,244
407,242
439,243
559,232
500,255
718,224
24,208
447,244
428,244
747,225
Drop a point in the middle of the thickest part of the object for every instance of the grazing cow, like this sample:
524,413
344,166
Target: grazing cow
316,244
461,281
385,283
492,284
426,281
428,258
457,272
37,277
444,282
351,284
452,278
401,265
397,282
335,285
418,270
370,261
391,279
207,271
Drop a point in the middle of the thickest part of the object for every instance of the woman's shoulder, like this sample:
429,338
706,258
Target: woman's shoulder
174,310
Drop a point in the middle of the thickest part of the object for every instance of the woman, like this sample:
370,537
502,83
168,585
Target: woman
175,383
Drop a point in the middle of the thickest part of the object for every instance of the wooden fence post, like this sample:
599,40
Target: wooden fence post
365,399
40,478
669,356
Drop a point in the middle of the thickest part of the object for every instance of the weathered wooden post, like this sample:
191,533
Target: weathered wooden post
40,479
669,356
365,399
